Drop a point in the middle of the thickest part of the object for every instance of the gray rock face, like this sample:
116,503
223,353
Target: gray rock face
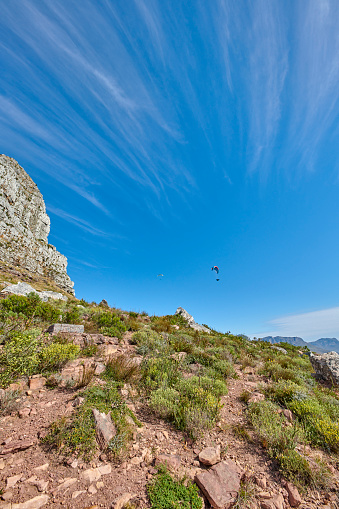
24,226
190,320
25,289
326,366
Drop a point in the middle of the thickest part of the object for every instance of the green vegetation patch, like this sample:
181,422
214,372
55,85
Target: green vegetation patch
77,434
167,493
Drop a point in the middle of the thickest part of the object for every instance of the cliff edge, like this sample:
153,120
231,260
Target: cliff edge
25,225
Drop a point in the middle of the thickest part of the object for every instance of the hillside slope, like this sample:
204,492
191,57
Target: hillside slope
166,393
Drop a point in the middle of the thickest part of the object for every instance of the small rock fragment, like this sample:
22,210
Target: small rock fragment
172,461
11,481
76,494
210,456
122,500
92,490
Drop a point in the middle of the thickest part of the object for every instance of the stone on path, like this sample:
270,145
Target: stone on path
19,445
36,382
276,502
294,497
33,503
210,456
220,484
93,474
11,481
123,500
172,461
65,484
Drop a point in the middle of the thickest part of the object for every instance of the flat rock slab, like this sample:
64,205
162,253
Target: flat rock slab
33,503
220,484
12,447
66,327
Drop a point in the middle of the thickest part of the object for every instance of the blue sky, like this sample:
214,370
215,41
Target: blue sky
170,136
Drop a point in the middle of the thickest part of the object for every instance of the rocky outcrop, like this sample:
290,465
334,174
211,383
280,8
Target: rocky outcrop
24,226
190,320
326,366
25,289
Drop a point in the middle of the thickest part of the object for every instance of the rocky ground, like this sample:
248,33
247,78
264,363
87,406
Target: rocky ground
33,477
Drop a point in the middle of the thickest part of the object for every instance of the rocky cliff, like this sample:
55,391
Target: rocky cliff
24,226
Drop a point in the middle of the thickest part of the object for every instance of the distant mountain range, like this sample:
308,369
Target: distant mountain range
321,345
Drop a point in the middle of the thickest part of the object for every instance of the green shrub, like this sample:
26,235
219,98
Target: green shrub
72,315
77,434
109,323
166,493
31,307
19,356
160,372
90,350
55,355
149,341
295,468
271,429
164,402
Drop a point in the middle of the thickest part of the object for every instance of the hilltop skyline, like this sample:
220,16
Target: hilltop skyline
169,138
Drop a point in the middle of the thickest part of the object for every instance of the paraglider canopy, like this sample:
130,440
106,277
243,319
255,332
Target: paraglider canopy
159,275
216,269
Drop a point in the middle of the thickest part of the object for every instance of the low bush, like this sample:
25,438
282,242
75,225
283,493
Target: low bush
164,492
77,434
31,307
193,405
122,369
9,403
19,356
55,355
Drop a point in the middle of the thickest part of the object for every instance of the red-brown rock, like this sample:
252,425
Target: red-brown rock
220,484
12,447
276,502
172,461
294,497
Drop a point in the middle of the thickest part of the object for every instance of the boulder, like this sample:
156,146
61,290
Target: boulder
190,320
326,366
105,429
16,446
220,484
25,289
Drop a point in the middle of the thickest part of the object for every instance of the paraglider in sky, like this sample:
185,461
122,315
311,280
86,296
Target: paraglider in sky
216,270
160,276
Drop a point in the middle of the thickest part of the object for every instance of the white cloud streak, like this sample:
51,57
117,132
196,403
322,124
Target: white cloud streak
309,326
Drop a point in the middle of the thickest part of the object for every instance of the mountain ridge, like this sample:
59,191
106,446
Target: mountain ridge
321,345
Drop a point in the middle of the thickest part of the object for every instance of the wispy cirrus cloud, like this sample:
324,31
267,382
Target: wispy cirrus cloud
79,222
